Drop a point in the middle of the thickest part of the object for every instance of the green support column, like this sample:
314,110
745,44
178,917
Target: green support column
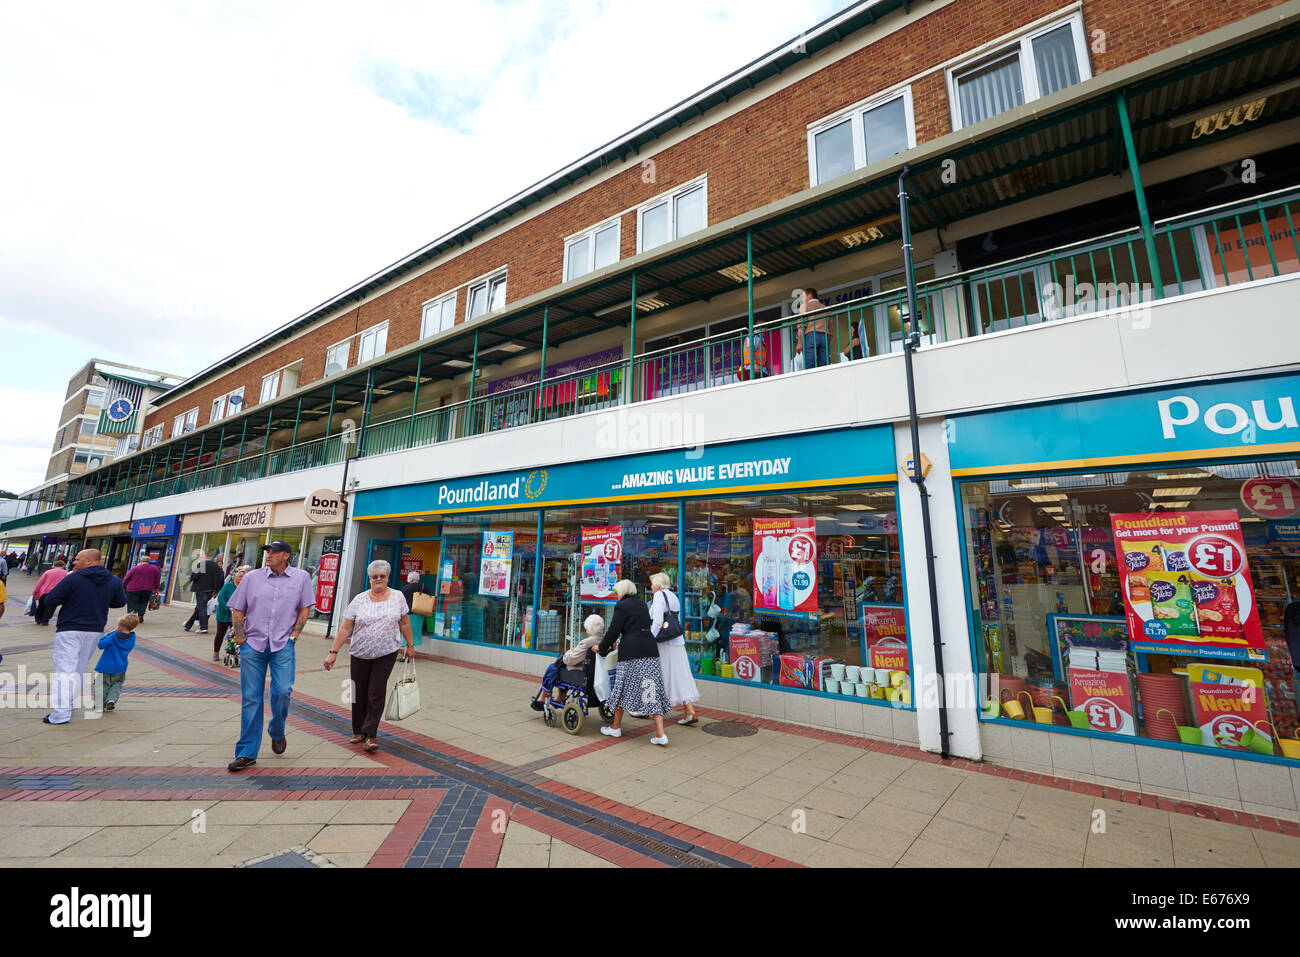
198,460
365,412
415,398
1148,237
221,447
180,465
239,456
149,475
266,446
167,468
473,375
631,351
749,286
329,425
297,417
541,379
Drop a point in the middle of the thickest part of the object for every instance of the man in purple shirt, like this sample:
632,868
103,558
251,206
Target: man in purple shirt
267,612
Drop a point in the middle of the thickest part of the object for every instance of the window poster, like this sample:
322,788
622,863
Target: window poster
602,561
1229,703
785,566
1187,587
494,569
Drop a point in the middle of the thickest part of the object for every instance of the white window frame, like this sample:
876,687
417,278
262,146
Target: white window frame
153,437
669,198
218,409
617,223
433,310
486,283
373,331
346,345
185,422
1022,46
855,113
275,392
230,410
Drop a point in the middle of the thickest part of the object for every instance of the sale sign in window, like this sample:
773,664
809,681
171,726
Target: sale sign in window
1187,587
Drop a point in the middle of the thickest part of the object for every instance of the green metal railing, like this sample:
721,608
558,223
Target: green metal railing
1225,246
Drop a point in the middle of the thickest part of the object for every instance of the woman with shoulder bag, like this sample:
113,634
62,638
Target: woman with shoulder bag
638,680
666,628
376,622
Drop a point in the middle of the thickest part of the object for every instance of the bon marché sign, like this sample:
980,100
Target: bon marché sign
323,507
839,457
258,516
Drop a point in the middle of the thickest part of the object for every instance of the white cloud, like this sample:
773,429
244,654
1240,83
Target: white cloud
181,178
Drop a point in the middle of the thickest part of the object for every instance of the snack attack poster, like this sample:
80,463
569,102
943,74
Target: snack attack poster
785,566
1187,586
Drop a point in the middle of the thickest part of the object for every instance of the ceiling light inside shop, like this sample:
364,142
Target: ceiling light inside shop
1172,506
1025,484
855,507
819,498
1171,476
650,303
457,363
784,511
1052,509
1186,491
1058,497
739,272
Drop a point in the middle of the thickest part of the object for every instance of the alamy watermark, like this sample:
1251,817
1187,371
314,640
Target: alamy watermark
632,430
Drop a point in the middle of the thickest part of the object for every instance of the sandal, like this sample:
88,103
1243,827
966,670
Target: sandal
372,745
356,739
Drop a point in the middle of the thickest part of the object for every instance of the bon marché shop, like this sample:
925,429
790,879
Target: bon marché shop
785,553
1130,560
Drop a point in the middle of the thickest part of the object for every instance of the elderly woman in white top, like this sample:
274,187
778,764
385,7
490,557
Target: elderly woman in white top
673,661
376,622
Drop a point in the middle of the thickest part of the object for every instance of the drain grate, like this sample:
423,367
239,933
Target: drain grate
730,729
297,856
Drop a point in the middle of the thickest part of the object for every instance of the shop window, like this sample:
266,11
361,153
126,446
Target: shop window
487,296
439,315
591,250
484,576
814,577
669,217
321,540
1038,64
865,135
1179,637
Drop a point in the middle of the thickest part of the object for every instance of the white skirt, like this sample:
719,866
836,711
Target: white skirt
678,680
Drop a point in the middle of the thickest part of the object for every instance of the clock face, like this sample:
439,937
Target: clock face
119,410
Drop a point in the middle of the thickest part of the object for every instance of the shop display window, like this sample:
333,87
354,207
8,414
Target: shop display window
1149,603
802,590
319,537
587,550
484,577
187,557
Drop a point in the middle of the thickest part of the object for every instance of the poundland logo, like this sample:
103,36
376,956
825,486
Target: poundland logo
102,910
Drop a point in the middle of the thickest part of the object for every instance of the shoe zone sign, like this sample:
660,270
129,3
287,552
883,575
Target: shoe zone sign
1237,417
838,457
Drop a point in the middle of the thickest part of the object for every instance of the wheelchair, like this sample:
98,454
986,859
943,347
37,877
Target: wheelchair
575,687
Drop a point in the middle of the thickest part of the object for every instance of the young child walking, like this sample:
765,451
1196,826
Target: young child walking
117,646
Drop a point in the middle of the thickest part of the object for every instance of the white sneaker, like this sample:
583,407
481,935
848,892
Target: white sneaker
612,732
662,742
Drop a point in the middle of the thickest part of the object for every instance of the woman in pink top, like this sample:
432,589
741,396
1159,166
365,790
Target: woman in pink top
377,622
45,584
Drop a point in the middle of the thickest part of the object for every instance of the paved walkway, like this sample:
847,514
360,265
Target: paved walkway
475,779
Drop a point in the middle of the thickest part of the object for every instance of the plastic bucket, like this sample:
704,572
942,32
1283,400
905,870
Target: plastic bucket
1290,747
1192,735
992,709
706,666
1254,740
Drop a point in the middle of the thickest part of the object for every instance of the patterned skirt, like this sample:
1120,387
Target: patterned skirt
639,687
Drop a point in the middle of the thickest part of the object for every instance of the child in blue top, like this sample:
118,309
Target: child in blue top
117,646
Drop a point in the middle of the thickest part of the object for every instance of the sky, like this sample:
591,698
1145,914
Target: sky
181,178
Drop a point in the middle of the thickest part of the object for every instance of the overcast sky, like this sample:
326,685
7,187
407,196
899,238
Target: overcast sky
178,179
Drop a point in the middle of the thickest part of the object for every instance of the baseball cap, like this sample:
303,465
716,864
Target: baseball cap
278,546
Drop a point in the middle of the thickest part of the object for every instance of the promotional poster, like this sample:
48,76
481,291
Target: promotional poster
1228,702
494,569
785,566
1187,586
602,561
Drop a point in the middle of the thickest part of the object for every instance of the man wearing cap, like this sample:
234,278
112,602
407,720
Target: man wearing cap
268,611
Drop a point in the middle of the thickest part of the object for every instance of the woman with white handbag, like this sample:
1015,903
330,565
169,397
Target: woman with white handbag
376,622
665,620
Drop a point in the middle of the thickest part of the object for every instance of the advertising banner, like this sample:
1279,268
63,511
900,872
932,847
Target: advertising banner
1228,702
1106,697
746,657
494,569
785,566
890,653
327,573
410,563
1187,587
602,561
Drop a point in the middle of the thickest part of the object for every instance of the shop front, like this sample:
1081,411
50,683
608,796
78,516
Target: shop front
154,540
784,552
1132,561
114,544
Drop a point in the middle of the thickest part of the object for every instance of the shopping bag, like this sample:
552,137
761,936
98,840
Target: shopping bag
212,605
404,699
422,604
31,607
601,684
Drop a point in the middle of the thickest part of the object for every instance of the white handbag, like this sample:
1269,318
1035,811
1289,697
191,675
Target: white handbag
404,699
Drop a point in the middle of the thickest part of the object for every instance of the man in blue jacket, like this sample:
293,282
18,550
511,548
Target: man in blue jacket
83,598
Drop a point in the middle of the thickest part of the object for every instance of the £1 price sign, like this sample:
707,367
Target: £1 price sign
1272,497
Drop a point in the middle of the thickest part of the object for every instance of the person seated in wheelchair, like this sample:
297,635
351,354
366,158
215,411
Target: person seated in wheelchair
579,656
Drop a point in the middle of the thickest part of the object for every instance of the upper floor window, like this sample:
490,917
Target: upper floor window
235,401
865,134
153,436
185,422
374,342
270,386
336,357
487,296
218,409
94,397
591,250
1037,64
669,217
439,315
89,426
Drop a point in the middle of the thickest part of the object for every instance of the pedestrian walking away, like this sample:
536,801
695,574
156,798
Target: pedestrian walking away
117,647
140,583
638,680
205,582
377,623
223,608
83,598
268,611
665,619
44,585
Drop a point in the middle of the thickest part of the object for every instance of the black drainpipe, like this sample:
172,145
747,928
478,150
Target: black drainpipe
911,343
343,495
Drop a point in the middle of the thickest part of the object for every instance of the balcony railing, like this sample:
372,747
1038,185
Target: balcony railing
1214,248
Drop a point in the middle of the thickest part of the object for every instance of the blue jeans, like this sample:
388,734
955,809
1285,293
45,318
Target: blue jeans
816,350
253,665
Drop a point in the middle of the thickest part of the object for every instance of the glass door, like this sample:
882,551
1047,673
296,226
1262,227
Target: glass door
459,616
